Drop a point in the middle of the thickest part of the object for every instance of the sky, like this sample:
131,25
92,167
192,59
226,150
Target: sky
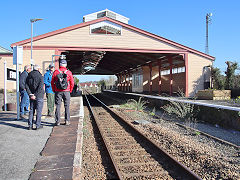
182,21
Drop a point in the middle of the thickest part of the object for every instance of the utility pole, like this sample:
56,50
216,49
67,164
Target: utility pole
208,21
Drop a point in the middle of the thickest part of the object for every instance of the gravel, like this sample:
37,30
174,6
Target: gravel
206,157
95,157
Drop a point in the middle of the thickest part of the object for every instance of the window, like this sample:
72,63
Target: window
105,27
101,14
137,80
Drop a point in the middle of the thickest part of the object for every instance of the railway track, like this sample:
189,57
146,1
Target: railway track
133,155
195,130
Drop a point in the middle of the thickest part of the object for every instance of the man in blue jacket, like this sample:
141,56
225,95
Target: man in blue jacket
48,90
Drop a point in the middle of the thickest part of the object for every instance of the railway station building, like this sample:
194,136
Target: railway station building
6,56
106,44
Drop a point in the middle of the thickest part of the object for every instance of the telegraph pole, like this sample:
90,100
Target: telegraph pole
208,21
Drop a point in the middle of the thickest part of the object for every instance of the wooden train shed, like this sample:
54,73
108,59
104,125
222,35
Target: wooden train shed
106,44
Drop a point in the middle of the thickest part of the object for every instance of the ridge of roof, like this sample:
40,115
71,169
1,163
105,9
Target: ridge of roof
5,51
70,28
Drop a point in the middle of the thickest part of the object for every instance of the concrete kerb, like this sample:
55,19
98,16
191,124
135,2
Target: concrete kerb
77,163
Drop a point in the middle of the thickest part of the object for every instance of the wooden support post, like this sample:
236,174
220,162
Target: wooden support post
150,78
130,82
186,74
171,76
125,81
159,78
120,82
117,82
57,52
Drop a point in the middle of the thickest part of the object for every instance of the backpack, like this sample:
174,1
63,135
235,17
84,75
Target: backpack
62,82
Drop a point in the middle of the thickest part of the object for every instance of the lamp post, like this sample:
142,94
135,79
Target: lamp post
33,21
208,20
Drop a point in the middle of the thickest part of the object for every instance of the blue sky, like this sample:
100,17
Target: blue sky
182,21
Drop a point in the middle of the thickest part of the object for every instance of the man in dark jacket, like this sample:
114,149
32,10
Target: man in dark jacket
62,93
22,88
34,86
48,90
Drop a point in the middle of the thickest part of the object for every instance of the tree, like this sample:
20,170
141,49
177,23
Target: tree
76,80
101,83
230,75
218,79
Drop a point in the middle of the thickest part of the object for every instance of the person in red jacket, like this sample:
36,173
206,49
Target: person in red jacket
62,91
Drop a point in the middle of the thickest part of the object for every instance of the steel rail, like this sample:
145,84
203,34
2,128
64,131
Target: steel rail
182,100
183,167
202,133
105,143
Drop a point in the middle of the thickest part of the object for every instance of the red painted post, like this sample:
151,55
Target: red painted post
120,83
150,78
125,83
130,82
117,82
171,76
186,74
159,78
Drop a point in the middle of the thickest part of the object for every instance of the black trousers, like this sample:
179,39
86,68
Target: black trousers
38,106
58,101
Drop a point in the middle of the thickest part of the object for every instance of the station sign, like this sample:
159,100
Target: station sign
11,74
17,55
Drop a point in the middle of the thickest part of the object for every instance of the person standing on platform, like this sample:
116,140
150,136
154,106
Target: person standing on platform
34,87
48,90
24,104
62,84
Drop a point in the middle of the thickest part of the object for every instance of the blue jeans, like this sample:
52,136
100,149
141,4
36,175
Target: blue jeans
24,104
38,106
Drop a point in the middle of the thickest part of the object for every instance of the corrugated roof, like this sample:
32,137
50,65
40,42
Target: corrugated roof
70,28
5,51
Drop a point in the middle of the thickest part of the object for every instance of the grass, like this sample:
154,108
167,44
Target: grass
184,111
180,109
136,105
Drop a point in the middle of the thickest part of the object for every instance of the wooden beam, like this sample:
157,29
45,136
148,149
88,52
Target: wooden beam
171,76
150,78
159,78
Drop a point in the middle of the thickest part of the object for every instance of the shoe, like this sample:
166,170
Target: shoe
57,124
30,128
23,116
67,123
40,127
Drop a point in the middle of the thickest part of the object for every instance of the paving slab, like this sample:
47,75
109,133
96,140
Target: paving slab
54,162
64,173
59,149
62,140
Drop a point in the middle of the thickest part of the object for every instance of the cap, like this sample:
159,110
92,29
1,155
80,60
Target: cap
51,66
62,61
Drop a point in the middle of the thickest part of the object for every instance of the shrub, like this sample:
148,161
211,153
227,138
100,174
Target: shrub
184,111
136,105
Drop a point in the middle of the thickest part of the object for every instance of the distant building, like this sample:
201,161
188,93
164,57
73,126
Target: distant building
6,55
87,85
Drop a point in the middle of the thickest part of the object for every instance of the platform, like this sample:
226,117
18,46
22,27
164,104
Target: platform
48,153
